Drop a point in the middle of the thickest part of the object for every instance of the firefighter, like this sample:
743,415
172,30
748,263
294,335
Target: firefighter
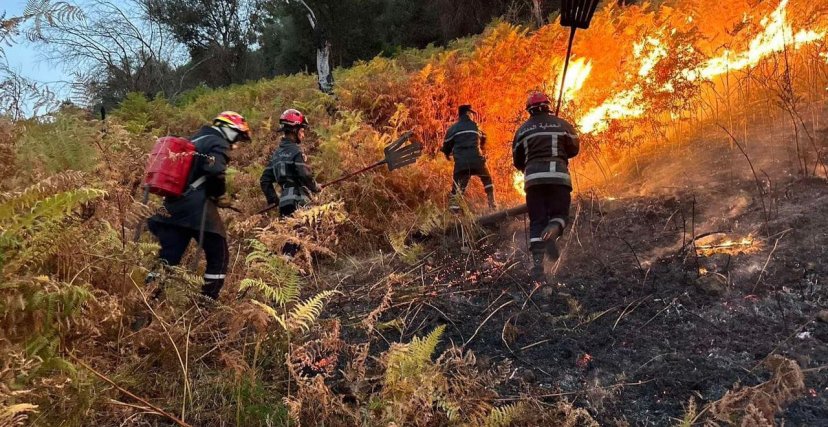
541,150
184,217
288,167
465,141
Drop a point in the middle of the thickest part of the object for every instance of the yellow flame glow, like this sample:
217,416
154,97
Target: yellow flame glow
576,75
517,183
744,245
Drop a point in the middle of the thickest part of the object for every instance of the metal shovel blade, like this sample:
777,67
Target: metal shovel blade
402,152
577,13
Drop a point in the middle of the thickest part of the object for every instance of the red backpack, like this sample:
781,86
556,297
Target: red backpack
168,166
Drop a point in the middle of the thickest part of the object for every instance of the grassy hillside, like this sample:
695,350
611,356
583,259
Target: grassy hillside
340,336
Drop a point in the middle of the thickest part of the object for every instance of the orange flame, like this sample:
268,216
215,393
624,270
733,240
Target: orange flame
627,103
776,36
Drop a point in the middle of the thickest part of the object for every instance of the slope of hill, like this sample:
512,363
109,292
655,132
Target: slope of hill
691,284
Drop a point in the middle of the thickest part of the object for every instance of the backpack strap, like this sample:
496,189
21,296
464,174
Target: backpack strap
202,179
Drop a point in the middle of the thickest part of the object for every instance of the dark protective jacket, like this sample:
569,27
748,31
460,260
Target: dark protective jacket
207,180
465,141
288,167
542,149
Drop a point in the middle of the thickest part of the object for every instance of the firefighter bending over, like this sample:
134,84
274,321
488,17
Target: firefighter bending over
541,150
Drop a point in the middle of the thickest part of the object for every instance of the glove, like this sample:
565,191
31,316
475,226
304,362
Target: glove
224,201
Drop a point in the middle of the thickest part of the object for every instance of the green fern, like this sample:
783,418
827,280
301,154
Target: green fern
302,316
276,294
277,280
18,215
16,415
409,254
690,414
423,348
504,416
410,360
60,145
31,220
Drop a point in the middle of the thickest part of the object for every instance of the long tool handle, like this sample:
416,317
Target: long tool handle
140,227
267,208
328,184
497,217
197,255
353,174
566,66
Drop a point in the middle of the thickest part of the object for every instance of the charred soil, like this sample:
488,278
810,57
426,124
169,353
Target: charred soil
639,317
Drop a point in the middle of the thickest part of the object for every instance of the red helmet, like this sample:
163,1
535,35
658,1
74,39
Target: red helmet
235,121
537,100
293,118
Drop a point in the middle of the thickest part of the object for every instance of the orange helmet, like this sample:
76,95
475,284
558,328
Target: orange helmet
235,121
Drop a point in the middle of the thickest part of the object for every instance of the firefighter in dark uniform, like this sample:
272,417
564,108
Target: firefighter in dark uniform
465,141
541,150
184,216
288,167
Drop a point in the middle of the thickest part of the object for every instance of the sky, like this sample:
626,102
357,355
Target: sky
24,58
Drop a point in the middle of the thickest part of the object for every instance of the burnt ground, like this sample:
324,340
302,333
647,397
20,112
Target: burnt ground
639,318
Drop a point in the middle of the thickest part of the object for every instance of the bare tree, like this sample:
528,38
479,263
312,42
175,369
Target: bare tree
323,52
19,94
111,49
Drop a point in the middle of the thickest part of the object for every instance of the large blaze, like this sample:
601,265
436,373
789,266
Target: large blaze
777,35
744,38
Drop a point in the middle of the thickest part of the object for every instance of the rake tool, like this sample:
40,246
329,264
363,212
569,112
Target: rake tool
398,154
574,14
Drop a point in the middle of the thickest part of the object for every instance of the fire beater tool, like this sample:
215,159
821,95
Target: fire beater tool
398,154
574,14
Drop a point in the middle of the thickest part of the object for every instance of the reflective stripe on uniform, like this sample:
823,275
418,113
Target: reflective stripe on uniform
214,276
289,195
524,140
559,221
197,183
540,175
488,186
535,240
466,131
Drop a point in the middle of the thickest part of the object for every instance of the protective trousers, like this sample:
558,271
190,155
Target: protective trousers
547,204
290,249
462,175
174,241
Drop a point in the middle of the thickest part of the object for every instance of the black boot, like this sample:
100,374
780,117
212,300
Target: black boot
550,237
144,317
537,249
212,287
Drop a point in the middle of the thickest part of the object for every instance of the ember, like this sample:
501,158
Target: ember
729,246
